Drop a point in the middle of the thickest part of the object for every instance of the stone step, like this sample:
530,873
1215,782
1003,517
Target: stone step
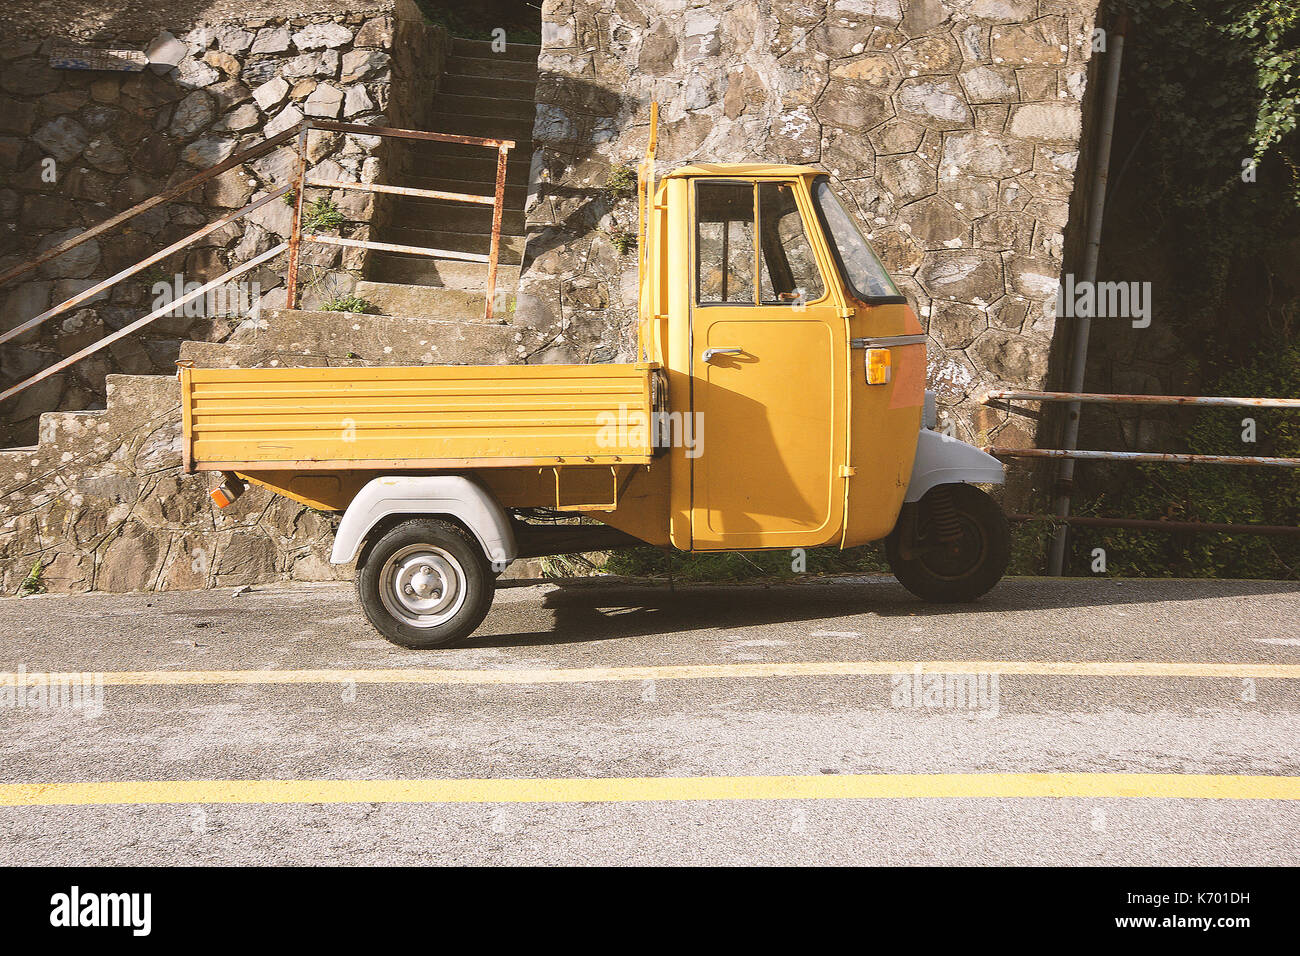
421,301
439,273
490,68
520,108
437,159
428,152
499,86
515,196
292,337
512,247
484,49
132,395
491,127
455,217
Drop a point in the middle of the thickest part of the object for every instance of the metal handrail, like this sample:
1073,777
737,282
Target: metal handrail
1002,396
126,273
301,180
1078,454
1103,398
140,323
180,188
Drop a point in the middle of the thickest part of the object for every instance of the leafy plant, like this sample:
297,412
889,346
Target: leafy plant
349,303
322,213
623,240
622,181
33,583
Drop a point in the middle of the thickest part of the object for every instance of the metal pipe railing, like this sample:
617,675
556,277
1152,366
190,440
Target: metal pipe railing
140,323
1076,454
301,182
1148,524
167,194
1101,398
292,246
126,273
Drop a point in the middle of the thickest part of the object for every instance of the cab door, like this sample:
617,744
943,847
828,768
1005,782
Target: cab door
768,378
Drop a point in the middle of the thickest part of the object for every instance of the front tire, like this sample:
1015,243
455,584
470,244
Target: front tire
425,583
951,546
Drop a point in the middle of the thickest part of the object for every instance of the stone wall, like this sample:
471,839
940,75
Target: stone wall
953,126
115,139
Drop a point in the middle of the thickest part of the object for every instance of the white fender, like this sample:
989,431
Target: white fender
431,495
941,460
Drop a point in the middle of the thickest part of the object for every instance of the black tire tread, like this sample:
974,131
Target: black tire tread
478,579
913,574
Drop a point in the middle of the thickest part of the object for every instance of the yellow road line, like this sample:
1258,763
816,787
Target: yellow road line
578,675
620,789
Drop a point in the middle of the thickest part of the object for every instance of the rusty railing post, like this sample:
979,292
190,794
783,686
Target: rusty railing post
295,234
494,250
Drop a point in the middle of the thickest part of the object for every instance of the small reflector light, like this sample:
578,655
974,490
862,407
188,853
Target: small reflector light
226,492
878,366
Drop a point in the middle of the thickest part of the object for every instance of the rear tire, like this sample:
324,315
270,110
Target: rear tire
425,583
962,568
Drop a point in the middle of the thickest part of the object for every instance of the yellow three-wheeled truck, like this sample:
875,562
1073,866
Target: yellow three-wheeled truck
779,402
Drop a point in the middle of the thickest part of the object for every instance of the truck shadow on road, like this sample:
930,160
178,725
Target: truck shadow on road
585,612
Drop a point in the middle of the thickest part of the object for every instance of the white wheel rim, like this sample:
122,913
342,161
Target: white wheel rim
422,585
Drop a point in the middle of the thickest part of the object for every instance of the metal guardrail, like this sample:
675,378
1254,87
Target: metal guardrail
293,245
496,201
1001,398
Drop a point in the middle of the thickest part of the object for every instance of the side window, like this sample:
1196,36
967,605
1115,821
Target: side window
724,243
789,269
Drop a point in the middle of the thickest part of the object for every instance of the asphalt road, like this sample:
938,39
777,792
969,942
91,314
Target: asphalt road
1107,722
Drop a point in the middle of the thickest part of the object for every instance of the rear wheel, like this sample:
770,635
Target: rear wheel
425,583
952,545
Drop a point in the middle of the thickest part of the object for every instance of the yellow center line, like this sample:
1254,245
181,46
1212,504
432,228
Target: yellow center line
622,789
578,675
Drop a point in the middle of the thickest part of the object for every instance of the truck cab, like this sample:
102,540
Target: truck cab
778,401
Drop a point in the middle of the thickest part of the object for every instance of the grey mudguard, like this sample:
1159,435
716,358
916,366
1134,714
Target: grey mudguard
432,496
941,460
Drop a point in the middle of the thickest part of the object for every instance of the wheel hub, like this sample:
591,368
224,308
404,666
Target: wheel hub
423,585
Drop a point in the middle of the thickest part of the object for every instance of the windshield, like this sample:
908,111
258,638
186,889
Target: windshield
858,262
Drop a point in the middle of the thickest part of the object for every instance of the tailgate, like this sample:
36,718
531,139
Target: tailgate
420,417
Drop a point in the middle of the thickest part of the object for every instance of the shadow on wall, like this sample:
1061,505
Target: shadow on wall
130,22
569,140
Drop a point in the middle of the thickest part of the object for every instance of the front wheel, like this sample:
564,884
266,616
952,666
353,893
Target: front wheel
425,583
952,545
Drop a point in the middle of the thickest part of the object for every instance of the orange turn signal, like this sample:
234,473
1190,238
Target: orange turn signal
879,364
230,489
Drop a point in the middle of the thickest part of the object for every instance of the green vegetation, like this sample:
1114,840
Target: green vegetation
622,182
321,214
1204,204
349,303
33,583
623,240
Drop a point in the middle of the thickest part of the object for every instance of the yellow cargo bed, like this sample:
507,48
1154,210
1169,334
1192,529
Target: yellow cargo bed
421,417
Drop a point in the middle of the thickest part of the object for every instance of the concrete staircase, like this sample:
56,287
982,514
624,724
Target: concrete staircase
101,503
482,93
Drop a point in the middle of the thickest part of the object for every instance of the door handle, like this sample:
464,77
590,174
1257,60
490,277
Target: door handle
709,353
